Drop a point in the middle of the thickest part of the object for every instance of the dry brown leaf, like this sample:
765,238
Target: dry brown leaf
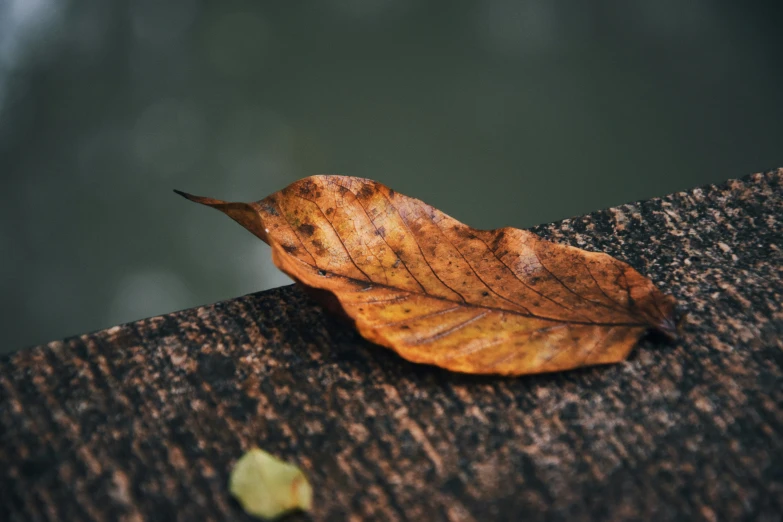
439,292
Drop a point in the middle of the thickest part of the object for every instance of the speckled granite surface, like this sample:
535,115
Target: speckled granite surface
143,421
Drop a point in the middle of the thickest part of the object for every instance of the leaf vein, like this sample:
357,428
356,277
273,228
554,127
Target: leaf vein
451,330
348,253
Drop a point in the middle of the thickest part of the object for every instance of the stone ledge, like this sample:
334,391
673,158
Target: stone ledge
145,420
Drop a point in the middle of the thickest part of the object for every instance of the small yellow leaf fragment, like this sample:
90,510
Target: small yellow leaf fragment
267,487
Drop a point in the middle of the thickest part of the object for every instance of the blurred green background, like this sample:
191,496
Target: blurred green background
498,112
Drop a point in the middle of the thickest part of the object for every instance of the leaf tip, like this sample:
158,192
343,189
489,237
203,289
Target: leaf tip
191,197
210,202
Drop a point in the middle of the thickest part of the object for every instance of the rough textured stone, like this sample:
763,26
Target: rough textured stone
144,420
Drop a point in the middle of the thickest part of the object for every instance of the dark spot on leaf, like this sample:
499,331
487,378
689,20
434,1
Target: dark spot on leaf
396,263
405,327
291,249
306,188
366,192
329,210
381,231
320,250
321,272
269,205
498,239
485,293
407,310
391,193
307,229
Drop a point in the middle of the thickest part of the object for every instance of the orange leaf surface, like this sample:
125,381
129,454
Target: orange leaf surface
436,291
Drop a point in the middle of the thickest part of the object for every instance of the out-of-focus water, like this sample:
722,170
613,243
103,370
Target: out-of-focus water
499,112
